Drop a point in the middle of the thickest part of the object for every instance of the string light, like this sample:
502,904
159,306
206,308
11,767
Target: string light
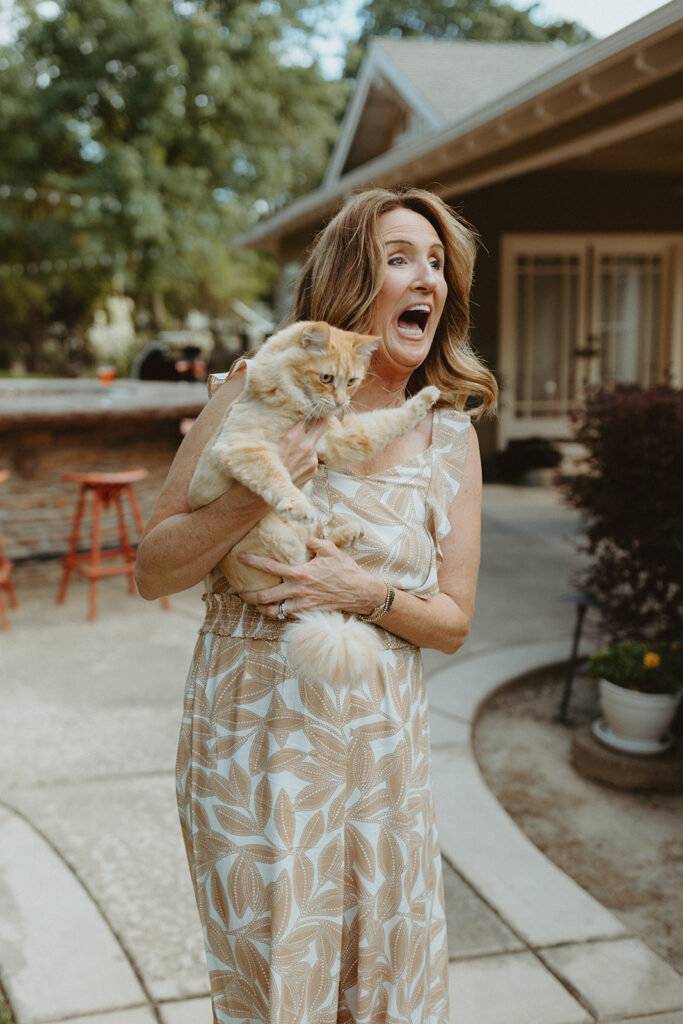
54,197
107,202
61,264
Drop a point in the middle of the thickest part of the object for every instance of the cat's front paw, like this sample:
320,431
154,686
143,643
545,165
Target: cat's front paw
298,509
430,396
345,534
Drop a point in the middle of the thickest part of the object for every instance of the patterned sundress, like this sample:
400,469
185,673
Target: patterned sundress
307,813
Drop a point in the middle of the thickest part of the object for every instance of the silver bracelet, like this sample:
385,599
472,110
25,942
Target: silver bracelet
381,610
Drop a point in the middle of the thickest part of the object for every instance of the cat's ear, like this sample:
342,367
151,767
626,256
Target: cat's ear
316,337
366,344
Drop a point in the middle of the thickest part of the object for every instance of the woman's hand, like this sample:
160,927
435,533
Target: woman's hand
297,450
331,581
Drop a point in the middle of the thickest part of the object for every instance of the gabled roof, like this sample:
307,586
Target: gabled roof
409,87
456,76
605,93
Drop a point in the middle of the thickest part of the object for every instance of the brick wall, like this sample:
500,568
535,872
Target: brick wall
37,507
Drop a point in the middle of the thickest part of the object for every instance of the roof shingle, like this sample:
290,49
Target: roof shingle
457,76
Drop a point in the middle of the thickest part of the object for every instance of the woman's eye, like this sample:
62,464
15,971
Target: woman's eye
327,378
436,264
396,261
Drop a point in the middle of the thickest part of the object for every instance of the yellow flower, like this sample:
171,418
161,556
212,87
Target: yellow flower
651,659
674,646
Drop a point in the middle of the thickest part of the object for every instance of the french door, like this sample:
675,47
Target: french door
580,310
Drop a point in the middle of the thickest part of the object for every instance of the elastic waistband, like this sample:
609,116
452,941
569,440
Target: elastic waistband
227,615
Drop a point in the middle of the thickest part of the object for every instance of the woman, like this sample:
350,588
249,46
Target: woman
307,814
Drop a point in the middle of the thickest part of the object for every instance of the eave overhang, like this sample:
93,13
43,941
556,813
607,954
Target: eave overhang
376,72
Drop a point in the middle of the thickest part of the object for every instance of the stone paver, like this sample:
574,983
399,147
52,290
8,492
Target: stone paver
473,928
140,1015
447,731
657,1018
462,687
190,1011
123,838
510,989
532,895
58,956
619,977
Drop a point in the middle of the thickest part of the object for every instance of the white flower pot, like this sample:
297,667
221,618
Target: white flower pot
641,717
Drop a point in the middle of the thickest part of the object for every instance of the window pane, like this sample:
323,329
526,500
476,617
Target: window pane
547,310
629,289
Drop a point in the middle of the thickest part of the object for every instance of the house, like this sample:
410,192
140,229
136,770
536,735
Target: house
569,163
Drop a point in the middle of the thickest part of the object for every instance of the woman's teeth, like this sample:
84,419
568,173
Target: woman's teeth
409,330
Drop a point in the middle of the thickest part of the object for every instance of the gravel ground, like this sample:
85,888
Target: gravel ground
625,848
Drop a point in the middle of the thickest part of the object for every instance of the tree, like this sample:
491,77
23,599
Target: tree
138,137
455,19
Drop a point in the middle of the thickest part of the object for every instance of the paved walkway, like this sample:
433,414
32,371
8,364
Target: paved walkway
97,917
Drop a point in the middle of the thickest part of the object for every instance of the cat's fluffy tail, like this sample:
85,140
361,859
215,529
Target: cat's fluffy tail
327,647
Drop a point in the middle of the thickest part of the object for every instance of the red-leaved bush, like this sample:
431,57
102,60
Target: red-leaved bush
632,499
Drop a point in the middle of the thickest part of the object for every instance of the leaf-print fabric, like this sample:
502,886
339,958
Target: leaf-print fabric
307,813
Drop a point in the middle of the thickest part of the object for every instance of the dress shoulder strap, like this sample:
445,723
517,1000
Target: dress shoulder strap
217,380
450,439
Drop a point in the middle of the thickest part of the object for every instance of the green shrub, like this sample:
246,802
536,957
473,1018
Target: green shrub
632,499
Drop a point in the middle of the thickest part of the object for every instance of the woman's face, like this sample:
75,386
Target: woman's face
409,304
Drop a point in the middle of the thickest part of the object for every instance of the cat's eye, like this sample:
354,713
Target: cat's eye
327,378
351,381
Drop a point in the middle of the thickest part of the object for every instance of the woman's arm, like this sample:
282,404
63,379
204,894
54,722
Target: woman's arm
332,580
179,546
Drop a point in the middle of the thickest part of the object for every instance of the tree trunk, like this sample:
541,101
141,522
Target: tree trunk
158,309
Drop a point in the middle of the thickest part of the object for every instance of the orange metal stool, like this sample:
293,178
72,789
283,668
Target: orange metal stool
5,575
105,489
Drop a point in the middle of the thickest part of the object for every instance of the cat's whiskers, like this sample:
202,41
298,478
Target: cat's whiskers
317,412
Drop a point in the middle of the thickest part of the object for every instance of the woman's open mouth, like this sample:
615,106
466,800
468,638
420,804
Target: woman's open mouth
412,322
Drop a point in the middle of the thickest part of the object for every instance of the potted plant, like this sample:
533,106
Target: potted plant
631,497
641,683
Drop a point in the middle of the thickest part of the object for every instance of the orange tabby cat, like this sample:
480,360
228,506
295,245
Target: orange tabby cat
306,371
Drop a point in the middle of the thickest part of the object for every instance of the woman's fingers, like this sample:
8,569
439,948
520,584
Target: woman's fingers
315,430
269,594
266,564
297,450
263,597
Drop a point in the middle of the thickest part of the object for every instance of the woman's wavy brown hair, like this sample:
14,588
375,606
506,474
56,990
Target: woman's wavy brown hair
345,270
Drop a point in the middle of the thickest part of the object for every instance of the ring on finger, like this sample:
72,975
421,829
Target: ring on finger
281,613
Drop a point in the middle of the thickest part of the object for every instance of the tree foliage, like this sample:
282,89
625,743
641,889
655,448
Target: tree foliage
456,19
138,137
